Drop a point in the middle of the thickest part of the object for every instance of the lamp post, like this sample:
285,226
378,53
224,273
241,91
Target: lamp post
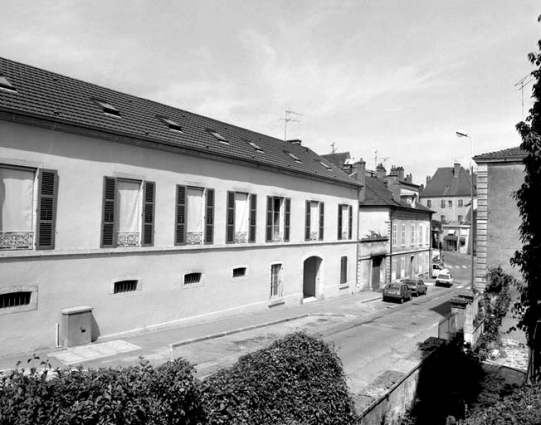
462,134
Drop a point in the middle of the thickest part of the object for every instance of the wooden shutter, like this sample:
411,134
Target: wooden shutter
321,220
268,235
148,214
286,219
180,226
48,188
108,218
209,220
343,269
253,208
230,230
339,221
307,222
350,222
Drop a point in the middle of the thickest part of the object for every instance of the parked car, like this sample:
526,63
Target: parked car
416,286
444,279
396,291
438,268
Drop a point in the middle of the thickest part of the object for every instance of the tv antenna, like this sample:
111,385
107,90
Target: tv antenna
523,83
383,160
333,148
290,116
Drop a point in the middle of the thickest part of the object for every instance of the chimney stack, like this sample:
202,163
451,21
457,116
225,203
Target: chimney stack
295,141
360,169
380,172
428,178
456,170
393,186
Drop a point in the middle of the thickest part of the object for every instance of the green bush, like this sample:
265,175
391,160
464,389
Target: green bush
296,380
167,394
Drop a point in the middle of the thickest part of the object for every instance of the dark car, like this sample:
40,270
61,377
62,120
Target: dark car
416,286
396,291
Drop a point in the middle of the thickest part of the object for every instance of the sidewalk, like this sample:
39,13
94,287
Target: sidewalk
155,345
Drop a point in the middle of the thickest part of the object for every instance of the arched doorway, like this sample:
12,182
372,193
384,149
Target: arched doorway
311,273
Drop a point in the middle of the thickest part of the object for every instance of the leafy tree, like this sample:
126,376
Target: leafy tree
529,257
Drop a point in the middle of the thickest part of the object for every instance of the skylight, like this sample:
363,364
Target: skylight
5,84
255,146
322,163
218,136
107,107
170,123
293,156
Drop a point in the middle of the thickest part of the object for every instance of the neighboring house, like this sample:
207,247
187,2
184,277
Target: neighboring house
448,194
341,159
500,174
394,230
147,215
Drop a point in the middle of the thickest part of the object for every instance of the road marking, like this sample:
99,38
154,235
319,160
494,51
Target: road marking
460,287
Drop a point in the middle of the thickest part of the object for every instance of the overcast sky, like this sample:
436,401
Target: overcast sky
399,77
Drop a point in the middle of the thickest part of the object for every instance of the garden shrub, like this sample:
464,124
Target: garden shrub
296,380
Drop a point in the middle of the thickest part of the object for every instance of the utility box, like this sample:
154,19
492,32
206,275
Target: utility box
76,326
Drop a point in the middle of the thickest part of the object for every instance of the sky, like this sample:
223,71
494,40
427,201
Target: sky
392,80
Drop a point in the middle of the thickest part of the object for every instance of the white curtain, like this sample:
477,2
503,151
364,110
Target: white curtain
128,206
314,218
241,212
16,195
345,219
195,210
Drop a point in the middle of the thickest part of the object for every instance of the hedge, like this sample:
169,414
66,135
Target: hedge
296,380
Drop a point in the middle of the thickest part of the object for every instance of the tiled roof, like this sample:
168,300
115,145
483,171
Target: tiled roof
378,195
510,154
338,159
444,183
60,99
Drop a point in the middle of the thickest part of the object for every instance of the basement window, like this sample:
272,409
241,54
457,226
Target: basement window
15,299
170,123
239,272
5,84
295,158
107,107
217,135
192,278
123,286
255,146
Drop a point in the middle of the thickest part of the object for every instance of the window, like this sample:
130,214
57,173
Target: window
403,239
106,107
412,234
443,203
239,272
461,203
295,158
394,234
345,221
241,217
18,298
450,204
194,216
421,230
429,203
17,205
192,278
255,146
278,213
460,218
125,286
443,220
5,84
217,136
123,201
314,221
15,299
323,164
276,281
403,267
343,270
170,123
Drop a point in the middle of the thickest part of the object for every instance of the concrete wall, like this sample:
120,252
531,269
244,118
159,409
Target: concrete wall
79,272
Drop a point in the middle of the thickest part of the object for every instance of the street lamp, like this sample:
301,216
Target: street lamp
462,134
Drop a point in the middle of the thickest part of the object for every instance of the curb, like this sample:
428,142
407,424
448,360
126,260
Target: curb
369,300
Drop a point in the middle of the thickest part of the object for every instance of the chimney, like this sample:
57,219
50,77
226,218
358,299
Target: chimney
380,172
428,178
393,186
295,141
456,170
360,169
409,178
400,173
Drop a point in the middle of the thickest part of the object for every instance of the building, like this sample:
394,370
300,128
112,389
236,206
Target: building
448,193
146,216
500,174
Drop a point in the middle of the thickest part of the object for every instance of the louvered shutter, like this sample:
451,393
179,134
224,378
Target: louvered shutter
148,214
209,219
180,226
253,208
286,219
268,236
343,269
230,231
48,188
108,220
350,222
307,222
321,220
339,221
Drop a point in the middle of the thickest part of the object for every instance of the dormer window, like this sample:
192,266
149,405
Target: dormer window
5,84
170,123
296,159
107,107
255,146
217,135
